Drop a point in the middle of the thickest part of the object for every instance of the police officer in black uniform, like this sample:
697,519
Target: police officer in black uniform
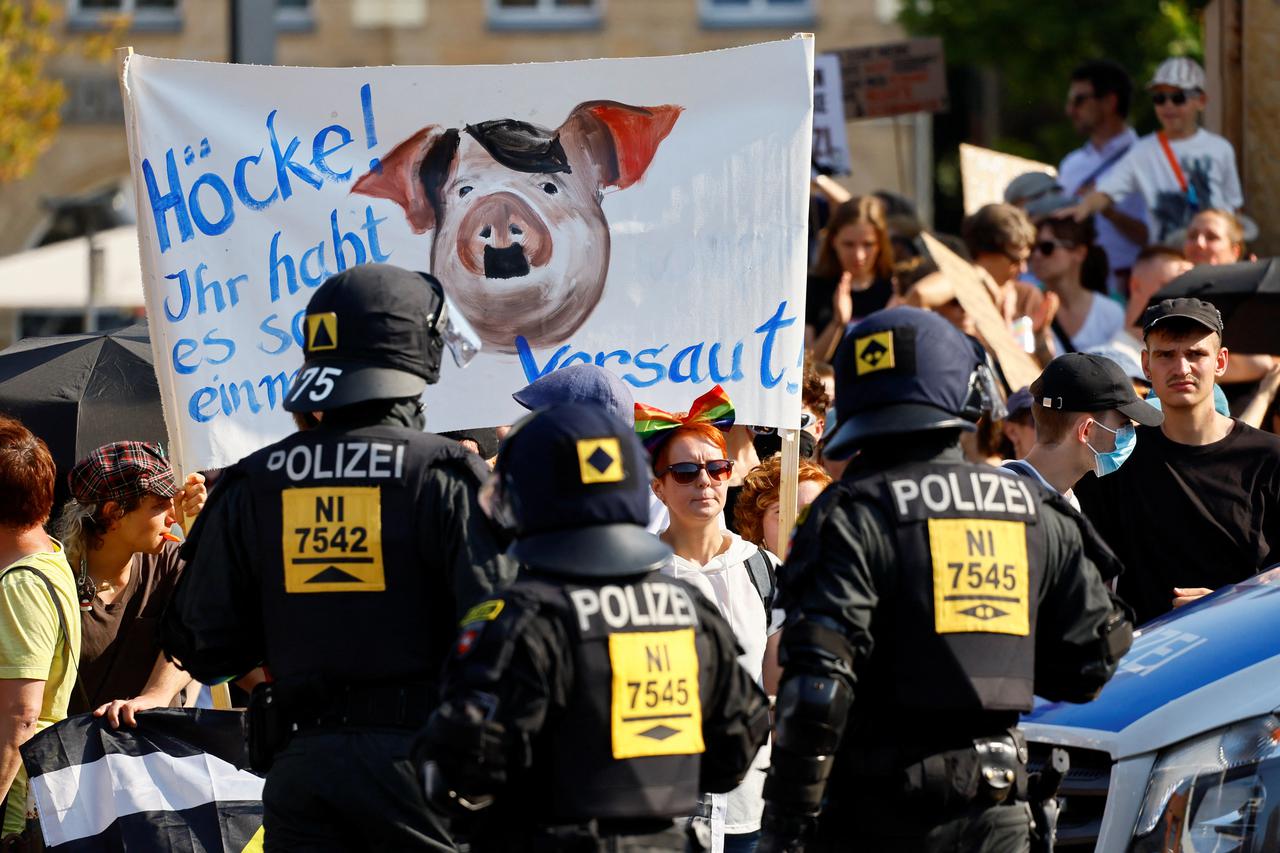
340,558
927,600
596,697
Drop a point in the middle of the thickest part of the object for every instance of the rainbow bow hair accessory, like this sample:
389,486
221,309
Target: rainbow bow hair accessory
654,426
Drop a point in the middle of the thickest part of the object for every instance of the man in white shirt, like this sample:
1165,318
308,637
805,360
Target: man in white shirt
1097,105
1180,169
1084,408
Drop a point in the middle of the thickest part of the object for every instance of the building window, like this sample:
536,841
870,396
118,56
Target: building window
143,14
294,15
544,14
756,13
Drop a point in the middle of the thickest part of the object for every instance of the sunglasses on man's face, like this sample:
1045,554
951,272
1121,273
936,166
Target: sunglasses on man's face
1048,247
1175,98
684,473
1076,100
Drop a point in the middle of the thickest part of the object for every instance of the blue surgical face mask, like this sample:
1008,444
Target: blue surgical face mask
1110,462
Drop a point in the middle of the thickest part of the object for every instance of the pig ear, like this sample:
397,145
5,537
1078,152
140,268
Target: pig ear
619,138
398,177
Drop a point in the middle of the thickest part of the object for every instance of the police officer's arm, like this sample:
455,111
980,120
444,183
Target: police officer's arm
735,716
212,626
1082,629
505,675
830,588
470,549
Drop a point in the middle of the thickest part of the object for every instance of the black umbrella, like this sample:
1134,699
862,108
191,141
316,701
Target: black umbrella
78,392
1247,294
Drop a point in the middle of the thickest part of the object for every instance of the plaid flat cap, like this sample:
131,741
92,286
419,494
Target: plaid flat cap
122,471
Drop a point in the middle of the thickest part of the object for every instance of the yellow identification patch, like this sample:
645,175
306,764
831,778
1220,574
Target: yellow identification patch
979,576
322,331
600,460
874,352
656,708
485,611
332,539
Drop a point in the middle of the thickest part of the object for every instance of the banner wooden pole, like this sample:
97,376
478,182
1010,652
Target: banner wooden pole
788,488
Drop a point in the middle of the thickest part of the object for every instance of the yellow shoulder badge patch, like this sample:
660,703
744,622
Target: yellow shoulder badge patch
600,461
485,611
322,332
873,352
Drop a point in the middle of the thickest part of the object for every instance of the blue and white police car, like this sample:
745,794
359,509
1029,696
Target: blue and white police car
1181,751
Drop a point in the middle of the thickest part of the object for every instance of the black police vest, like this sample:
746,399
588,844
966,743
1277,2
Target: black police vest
630,740
970,567
351,591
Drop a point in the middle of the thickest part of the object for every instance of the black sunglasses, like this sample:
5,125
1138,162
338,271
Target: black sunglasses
1175,98
1048,247
684,473
1078,99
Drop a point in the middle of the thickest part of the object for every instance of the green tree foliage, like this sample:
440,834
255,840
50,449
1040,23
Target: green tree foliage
30,99
1033,46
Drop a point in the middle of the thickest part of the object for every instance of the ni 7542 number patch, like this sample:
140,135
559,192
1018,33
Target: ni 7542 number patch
979,576
332,539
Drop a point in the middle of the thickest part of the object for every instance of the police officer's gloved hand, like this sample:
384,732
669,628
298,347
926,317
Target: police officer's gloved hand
784,832
467,750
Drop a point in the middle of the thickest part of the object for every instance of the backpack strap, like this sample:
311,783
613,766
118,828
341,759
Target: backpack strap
764,579
73,667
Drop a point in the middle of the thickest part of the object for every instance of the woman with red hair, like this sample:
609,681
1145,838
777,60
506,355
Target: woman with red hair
39,634
691,472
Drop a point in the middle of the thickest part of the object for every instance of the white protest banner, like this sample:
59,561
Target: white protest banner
640,214
984,174
830,134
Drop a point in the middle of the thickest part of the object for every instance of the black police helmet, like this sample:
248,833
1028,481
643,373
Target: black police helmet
902,370
573,483
372,332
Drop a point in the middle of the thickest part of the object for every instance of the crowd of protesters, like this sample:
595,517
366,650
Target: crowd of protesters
1072,265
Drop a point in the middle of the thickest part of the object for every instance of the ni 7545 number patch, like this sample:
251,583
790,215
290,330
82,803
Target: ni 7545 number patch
979,576
332,539
656,707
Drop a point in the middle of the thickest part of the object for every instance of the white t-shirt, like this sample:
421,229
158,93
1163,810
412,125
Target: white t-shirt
1087,163
1104,322
726,582
1208,163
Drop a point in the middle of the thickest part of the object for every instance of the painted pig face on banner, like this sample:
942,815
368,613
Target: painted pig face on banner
521,242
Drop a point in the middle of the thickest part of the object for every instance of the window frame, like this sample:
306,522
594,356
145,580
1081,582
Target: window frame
757,13
289,19
545,15
140,20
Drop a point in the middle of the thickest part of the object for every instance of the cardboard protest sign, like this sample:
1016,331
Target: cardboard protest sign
984,174
639,214
830,134
894,79
1018,367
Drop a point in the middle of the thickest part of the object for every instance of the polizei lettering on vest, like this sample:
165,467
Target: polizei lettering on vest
644,606
346,460
973,491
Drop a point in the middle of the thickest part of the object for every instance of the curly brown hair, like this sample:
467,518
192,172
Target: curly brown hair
760,490
813,392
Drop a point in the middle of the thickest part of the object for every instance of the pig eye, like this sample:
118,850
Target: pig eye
463,191
550,188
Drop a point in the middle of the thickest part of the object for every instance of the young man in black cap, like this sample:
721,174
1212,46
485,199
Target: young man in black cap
927,600
595,698
1084,408
1197,506
340,558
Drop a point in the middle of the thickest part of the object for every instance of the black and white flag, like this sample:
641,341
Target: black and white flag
173,783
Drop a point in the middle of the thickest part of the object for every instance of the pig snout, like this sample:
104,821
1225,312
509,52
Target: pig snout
501,236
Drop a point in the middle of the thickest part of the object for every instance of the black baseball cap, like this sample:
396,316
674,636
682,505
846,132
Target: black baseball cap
371,333
1204,313
576,481
1083,382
